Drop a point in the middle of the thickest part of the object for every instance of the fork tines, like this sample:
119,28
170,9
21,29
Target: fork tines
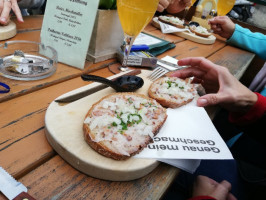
157,73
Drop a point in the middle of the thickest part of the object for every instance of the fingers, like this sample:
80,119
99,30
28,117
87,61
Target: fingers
212,99
218,20
187,3
188,72
5,8
160,8
208,100
231,197
163,4
205,179
5,12
227,186
198,62
205,186
217,23
17,11
177,6
222,190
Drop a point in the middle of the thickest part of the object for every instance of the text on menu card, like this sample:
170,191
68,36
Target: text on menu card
67,27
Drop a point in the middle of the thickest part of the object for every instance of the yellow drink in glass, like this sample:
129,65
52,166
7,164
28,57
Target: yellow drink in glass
134,15
192,2
224,6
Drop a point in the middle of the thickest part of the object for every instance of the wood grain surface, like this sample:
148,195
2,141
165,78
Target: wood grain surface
31,23
58,180
236,60
25,152
23,143
63,125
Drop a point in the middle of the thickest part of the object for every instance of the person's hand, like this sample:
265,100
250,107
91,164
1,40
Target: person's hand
223,26
173,6
5,8
163,4
204,186
220,85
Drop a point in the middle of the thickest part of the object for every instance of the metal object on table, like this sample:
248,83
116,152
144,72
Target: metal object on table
167,63
11,188
77,96
30,60
159,71
124,67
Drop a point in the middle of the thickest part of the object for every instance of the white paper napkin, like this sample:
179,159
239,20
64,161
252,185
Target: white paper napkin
187,136
166,28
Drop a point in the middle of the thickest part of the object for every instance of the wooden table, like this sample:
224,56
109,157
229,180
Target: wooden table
25,152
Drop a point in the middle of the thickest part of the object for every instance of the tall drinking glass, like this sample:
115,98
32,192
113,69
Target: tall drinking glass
134,15
224,7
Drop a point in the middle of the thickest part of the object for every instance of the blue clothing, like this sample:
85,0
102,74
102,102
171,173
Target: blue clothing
254,42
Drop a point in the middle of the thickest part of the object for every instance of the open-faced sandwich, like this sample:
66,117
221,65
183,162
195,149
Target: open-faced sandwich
199,30
120,125
174,21
172,92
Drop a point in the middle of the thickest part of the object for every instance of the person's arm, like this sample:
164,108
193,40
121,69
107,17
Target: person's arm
256,112
173,6
221,86
244,38
207,188
163,4
239,36
223,26
5,8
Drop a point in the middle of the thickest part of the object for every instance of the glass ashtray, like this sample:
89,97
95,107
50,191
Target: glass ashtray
27,60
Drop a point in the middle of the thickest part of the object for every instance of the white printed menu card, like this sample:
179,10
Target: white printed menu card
67,27
188,134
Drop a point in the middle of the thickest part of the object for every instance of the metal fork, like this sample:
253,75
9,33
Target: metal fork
159,71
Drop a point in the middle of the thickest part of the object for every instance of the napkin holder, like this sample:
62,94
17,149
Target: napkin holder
8,31
107,36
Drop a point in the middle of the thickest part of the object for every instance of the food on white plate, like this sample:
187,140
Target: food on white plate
199,30
120,125
172,92
174,21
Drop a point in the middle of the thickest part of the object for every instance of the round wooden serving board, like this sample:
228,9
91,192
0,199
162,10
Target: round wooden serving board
64,132
8,31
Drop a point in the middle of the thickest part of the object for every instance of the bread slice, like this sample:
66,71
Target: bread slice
120,125
200,31
172,92
173,21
